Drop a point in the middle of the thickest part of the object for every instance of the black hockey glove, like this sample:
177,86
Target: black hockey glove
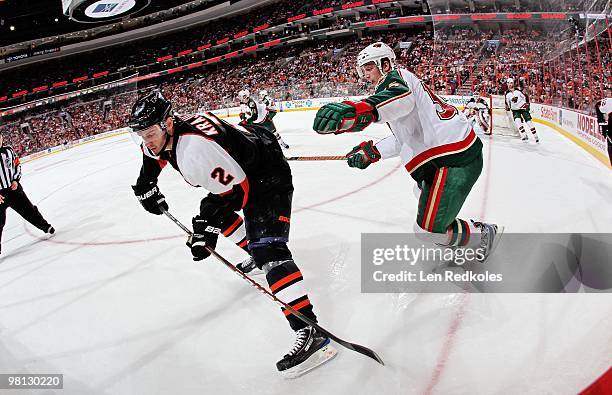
204,235
150,197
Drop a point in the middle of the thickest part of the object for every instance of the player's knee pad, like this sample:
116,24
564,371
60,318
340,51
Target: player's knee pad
265,251
518,123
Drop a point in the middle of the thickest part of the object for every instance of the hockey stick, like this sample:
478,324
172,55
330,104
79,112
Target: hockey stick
332,157
351,346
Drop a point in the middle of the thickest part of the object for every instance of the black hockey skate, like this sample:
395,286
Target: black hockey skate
311,349
248,266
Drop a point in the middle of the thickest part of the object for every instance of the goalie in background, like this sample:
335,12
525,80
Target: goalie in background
478,114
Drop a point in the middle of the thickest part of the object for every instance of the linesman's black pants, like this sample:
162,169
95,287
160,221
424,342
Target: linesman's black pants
18,201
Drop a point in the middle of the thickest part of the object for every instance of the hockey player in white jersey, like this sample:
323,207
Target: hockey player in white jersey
603,108
257,113
243,168
272,110
435,142
518,103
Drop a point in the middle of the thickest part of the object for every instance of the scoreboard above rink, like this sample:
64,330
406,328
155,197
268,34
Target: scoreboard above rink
95,11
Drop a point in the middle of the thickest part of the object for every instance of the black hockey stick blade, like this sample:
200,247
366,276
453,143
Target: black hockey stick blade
351,346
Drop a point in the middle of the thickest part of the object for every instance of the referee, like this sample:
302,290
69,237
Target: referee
12,194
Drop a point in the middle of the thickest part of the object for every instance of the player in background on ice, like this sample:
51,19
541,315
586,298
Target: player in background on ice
271,109
603,108
435,142
518,103
478,114
243,168
254,113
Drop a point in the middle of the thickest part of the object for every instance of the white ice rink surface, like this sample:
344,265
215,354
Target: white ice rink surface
114,302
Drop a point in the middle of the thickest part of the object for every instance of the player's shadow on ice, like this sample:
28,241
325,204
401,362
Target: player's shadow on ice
546,152
601,188
4,258
48,259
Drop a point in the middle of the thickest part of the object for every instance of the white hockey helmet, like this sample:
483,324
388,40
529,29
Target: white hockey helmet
244,94
263,94
375,53
510,80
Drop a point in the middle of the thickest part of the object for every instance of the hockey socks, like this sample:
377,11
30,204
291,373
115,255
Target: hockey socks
287,284
233,228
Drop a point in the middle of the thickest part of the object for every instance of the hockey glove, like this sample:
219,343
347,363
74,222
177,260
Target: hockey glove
344,117
363,155
204,235
150,197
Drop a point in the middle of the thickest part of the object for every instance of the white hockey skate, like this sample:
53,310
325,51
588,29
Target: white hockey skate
311,349
490,235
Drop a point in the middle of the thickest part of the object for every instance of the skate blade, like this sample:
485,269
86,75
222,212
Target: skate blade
255,272
498,236
323,355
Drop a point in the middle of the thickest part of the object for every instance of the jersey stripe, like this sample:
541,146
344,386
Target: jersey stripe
442,150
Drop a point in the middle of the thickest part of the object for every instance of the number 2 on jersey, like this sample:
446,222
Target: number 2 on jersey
219,174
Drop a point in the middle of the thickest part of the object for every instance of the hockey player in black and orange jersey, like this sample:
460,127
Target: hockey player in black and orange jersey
243,168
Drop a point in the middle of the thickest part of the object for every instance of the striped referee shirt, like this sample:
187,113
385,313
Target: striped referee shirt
10,169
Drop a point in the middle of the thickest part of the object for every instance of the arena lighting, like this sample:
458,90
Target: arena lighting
95,11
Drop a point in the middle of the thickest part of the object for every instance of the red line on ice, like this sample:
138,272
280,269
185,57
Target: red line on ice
457,320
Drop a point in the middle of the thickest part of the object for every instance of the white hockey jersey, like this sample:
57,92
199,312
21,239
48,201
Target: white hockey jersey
516,100
427,131
254,112
606,106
